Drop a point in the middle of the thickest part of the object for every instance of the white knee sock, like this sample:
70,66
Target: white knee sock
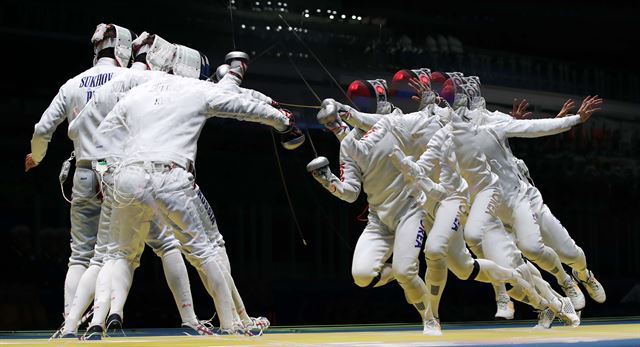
84,295
436,279
222,297
74,273
177,277
102,300
121,279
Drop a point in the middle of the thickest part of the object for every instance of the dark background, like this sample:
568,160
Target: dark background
540,50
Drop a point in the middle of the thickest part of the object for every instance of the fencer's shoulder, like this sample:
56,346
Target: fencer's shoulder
498,116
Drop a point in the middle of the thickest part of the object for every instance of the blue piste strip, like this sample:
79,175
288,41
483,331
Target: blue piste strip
322,329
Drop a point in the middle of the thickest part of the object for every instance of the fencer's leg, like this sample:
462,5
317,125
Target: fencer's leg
410,235
216,238
181,204
373,248
87,286
133,222
83,298
223,258
480,221
102,300
85,215
560,306
529,241
501,249
163,242
175,272
121,281
447,223
557,237
74,274
481,215
483,270
222,294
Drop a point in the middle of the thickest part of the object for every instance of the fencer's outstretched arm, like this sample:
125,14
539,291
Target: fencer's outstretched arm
535,127
231,79
44,129
361,120
545,127
242,107
257,95
360,149
348,186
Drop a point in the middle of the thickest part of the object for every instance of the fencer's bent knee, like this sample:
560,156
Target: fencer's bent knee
473,234
364,277
404,272
569,254
531,250
435,251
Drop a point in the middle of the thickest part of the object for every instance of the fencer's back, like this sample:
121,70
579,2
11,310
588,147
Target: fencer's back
80,89
164,118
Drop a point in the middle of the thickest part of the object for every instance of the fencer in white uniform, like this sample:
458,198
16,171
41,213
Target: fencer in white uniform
415,86
163,120
485,198
556,236
392,208
99,150
529,235
394,222
156,53
111,44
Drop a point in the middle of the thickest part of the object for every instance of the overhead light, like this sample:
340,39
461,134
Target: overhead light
335,12
306,11
243,26
343,16
279,4
257,3
268,27
284,4
318,10
269,3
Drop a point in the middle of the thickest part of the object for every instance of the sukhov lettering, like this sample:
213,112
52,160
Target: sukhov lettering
95,81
